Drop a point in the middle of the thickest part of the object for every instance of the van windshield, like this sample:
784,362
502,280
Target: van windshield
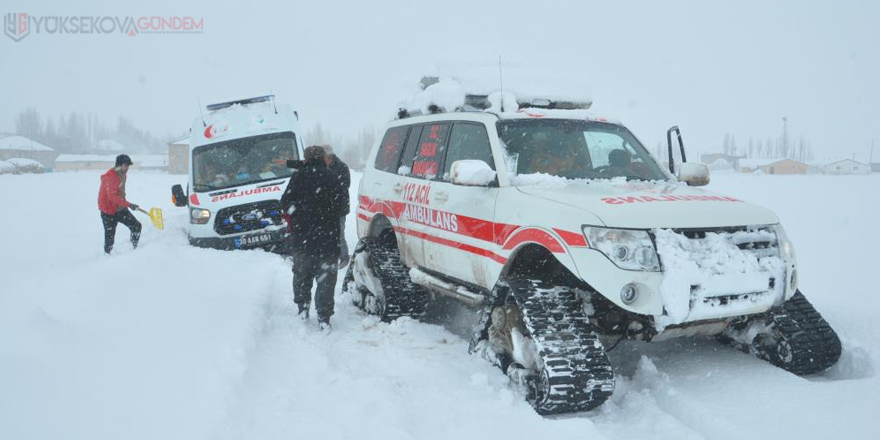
576,149
243,161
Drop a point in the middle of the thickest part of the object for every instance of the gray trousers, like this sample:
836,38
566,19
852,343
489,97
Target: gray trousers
309,268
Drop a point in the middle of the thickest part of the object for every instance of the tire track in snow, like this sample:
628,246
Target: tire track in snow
367,379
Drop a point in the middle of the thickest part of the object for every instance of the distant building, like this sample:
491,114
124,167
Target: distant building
86,162
875,167
716,161
847,166
16,146
720,164
178,156
109,146
773,166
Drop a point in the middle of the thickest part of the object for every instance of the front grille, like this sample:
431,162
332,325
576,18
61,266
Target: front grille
249,217
757,240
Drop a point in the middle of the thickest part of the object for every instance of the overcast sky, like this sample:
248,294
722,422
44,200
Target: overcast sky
709,67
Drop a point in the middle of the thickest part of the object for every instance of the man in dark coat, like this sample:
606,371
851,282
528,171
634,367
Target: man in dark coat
313,202
343,176
113,205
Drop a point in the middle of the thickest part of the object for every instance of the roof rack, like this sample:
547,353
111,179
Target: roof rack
245,101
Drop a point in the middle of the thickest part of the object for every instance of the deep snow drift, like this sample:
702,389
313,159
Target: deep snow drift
170,341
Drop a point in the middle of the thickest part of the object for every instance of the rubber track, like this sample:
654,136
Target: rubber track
579,372
814,344
402,297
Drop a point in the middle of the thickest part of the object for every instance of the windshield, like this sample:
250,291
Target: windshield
243,161
576,149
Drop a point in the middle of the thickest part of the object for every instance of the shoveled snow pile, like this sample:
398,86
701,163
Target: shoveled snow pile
6,167
718,267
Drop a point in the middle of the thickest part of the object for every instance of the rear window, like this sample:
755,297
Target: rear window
390,149
412,144
430,151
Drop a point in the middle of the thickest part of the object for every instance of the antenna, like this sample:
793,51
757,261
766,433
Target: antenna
871,158
273,104
202,114
501,81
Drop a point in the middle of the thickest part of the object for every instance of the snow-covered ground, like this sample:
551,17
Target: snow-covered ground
170,341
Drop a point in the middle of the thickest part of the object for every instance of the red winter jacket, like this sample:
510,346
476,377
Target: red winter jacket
111,196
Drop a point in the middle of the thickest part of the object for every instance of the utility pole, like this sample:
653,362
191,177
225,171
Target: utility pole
785,136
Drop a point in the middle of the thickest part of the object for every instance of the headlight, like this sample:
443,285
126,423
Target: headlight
786,249
628,249
199,216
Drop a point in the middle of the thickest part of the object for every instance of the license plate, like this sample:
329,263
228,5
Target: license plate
252,240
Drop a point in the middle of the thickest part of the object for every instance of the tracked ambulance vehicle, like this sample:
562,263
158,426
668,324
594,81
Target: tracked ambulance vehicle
564,234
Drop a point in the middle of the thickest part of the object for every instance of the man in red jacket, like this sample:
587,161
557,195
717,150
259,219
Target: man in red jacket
114,208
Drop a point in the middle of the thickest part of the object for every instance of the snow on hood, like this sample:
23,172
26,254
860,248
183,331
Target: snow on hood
647,205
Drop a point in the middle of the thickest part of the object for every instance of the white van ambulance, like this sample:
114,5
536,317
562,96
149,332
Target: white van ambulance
238,172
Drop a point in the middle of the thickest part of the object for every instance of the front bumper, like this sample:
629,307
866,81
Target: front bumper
698,283
277,241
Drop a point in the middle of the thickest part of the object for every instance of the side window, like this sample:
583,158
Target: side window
431,150
468,141
412,144
390,149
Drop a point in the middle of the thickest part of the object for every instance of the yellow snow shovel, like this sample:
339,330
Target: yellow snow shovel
155,217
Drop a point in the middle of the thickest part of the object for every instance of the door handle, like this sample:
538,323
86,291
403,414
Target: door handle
441,196
398,187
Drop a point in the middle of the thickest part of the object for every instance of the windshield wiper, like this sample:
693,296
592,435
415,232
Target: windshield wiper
202,187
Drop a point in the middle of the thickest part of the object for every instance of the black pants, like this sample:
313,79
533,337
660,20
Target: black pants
343,245
308,268
126,218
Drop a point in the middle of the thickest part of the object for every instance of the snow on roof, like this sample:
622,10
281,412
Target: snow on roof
16,142
145,160
556,114
755,163
110,145
846,160
450,88
184,141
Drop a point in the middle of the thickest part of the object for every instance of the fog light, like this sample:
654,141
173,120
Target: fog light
628,294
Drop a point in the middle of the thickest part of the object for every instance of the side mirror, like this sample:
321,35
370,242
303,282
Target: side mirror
471,173
694,174
177,196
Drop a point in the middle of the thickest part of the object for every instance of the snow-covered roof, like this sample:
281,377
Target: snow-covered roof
847,161
184,141
17,142
109,145
486,87
145,160
755,163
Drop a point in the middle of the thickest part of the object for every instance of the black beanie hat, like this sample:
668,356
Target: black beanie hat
123,159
